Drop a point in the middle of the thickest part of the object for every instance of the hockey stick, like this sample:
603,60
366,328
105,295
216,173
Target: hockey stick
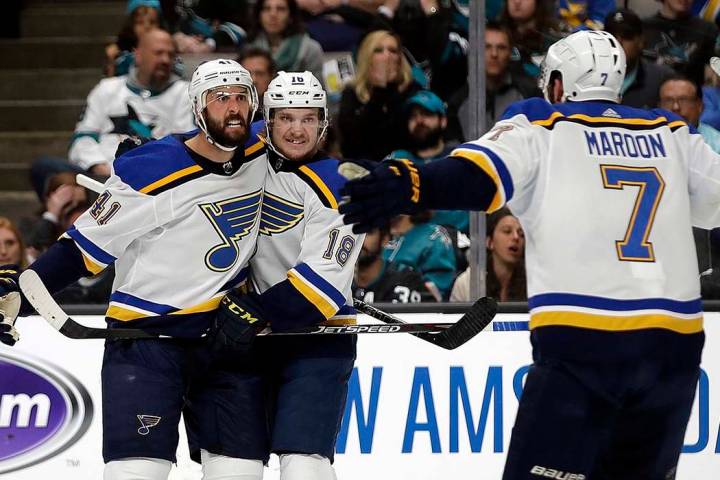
40,298
470,324
89,183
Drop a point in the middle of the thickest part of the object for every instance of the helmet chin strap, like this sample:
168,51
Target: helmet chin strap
203,126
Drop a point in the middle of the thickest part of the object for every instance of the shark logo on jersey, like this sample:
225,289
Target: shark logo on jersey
278,214
232,219
146,423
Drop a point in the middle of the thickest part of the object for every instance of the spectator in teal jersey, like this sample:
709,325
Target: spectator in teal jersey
425,247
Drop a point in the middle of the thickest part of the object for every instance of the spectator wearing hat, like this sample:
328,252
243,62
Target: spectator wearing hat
427,141
426,123
676,38
643,78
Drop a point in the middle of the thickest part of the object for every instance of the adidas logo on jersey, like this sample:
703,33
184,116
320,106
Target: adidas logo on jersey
609,112
556,474
147,422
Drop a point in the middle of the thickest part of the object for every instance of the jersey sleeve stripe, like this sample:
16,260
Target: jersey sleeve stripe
91,266
96,254
493,165
148,189
326,308
326,287
688,307
317,184
346,315
615,323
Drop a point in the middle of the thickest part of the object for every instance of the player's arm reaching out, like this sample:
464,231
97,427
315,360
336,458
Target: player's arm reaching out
480,175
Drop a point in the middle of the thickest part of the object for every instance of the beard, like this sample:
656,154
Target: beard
216,129
423,137
366,258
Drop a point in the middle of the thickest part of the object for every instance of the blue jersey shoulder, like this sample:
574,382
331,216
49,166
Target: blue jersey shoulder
322,176
534,109
153,161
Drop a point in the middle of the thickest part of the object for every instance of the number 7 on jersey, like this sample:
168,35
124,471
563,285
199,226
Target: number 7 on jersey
635,247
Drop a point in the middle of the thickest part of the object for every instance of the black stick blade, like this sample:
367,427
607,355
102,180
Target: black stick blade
473,322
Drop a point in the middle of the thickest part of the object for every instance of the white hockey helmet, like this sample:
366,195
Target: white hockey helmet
295,90
213,74
591,64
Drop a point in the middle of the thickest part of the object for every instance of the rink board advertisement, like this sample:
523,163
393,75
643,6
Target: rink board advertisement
414,411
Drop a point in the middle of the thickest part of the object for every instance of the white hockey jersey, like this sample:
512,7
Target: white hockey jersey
179,228
303,240
607,195
116,108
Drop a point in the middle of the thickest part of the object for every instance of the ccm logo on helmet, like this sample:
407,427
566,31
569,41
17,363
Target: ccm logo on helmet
556,474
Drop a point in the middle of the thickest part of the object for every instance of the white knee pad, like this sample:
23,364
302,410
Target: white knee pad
298,466
220,467
137,468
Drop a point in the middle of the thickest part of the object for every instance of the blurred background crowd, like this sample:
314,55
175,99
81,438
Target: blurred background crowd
78,77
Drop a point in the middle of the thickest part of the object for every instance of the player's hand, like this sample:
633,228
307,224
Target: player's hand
392,188
238,320
9,279
9,309
130,143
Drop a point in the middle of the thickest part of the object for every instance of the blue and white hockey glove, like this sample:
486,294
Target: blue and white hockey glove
391,188
238,320
10,301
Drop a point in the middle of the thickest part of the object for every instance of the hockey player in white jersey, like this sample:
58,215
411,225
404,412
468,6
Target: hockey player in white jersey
179,218
607,195
301,275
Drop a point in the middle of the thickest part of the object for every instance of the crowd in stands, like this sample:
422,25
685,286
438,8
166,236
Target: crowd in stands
407,98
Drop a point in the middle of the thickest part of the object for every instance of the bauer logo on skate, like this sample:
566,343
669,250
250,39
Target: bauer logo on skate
233,220
43,410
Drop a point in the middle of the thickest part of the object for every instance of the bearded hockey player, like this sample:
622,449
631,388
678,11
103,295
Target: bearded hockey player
179,218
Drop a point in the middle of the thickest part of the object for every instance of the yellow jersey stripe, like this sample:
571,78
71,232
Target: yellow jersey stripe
548,121
91,266
345,320
677,123
616,323
485,164
321,185
253,148
170,178
326,308
123,314
208,306
620,121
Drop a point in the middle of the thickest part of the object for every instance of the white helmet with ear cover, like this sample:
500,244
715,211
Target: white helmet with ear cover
591,65
214,74
295,90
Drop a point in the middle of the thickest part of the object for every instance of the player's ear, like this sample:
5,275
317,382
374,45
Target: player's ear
557,90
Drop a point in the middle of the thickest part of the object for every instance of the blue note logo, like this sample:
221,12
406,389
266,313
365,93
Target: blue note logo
146,423
233,220
278,214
